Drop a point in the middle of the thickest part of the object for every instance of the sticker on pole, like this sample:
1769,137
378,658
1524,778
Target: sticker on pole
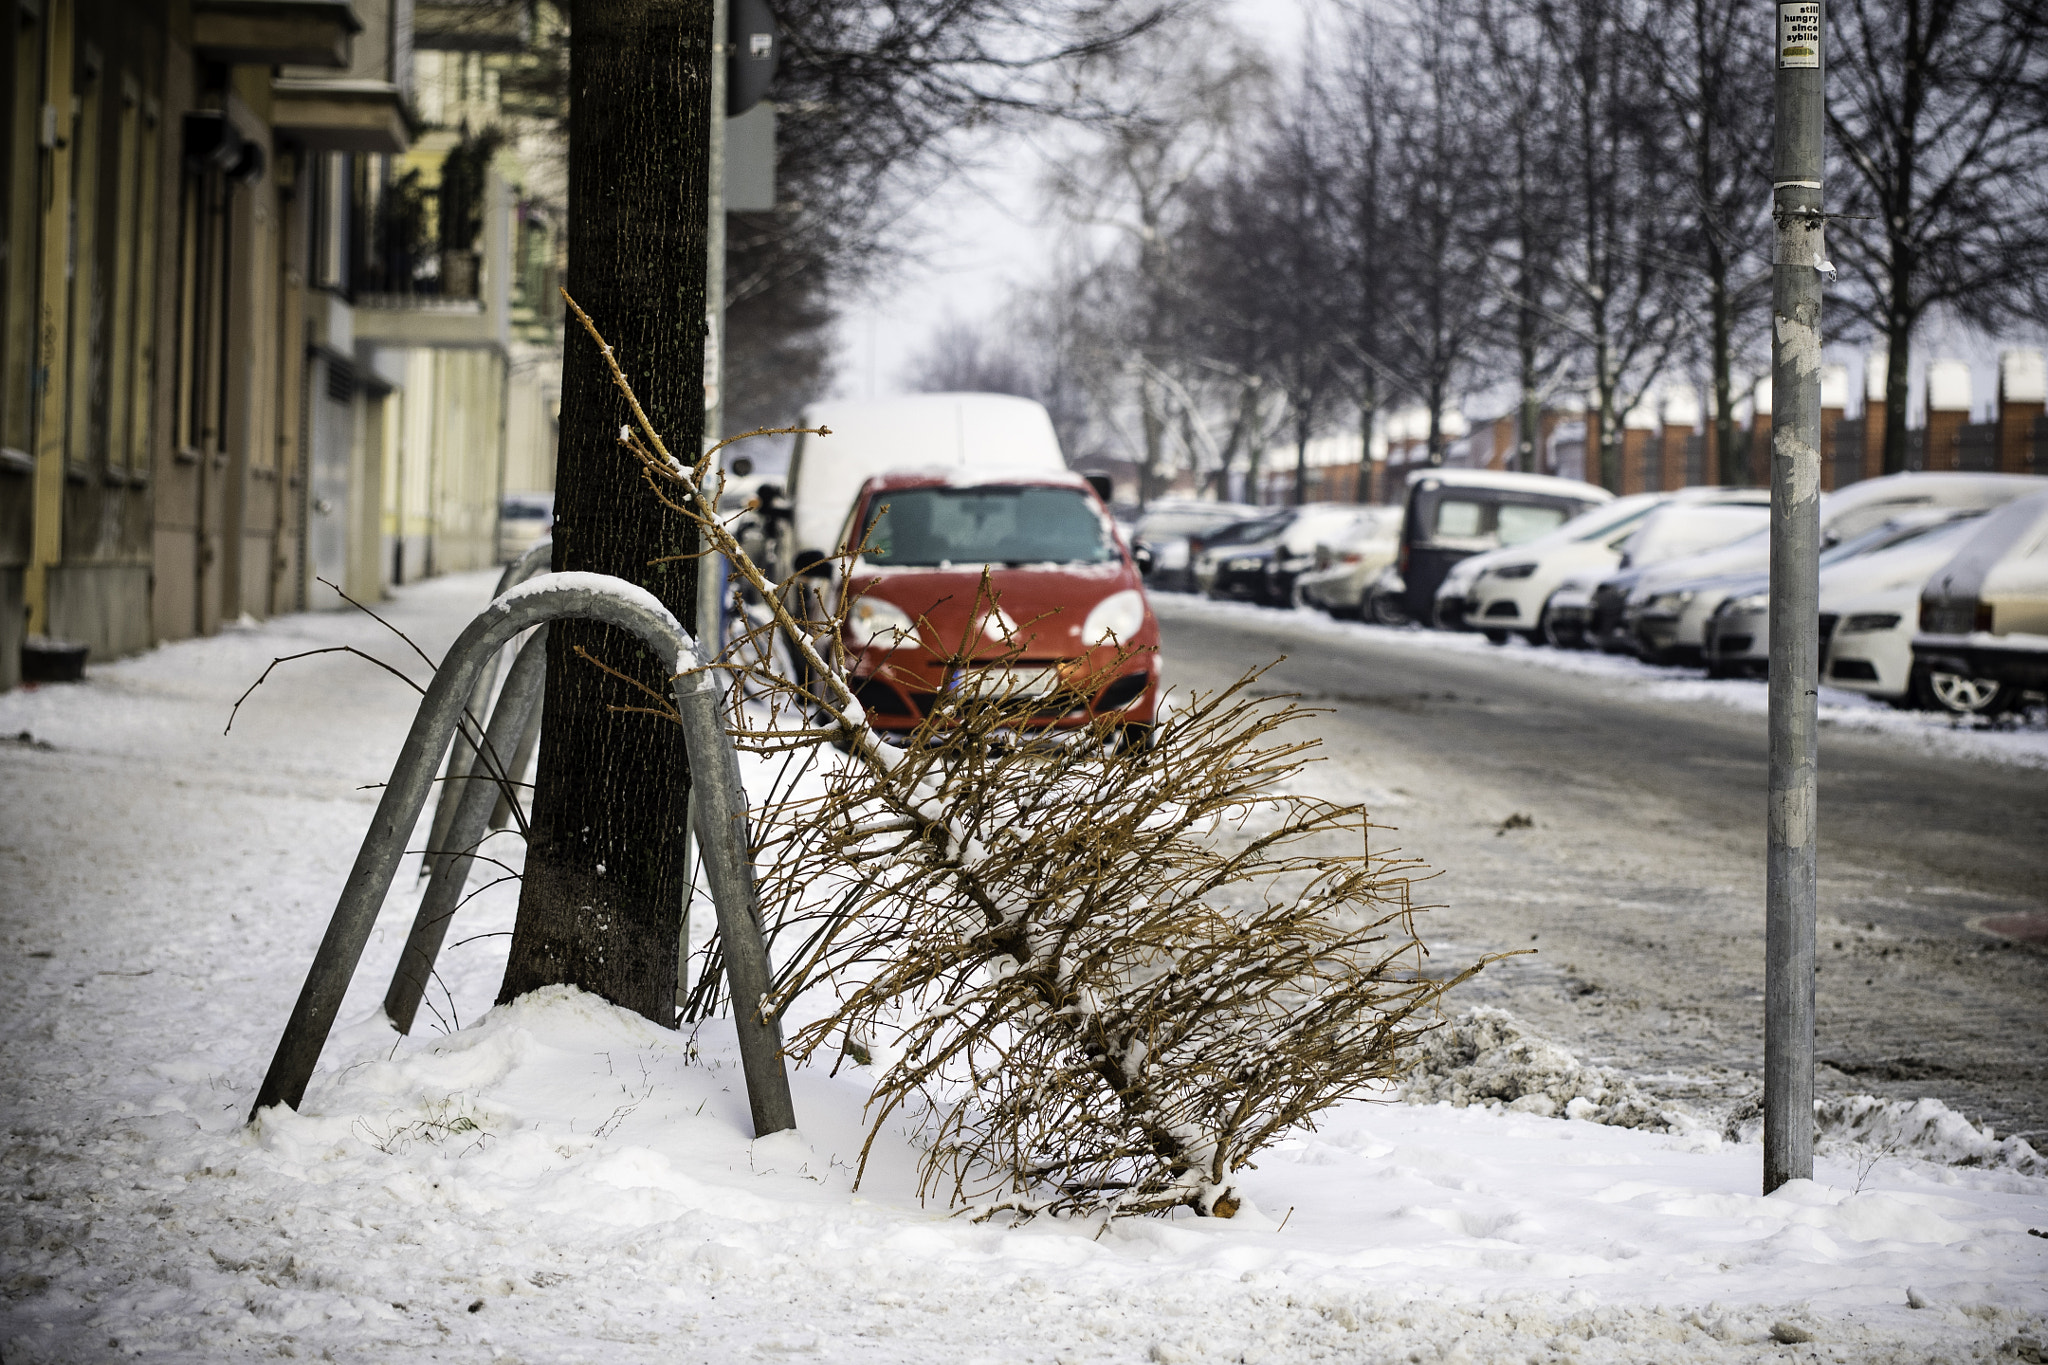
1798,35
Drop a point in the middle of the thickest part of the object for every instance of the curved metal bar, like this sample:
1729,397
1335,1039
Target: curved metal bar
721,823
535,561
519,699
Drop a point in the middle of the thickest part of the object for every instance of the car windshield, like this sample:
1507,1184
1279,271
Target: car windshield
1883,538
520,510
1245,532
994,524
1604,521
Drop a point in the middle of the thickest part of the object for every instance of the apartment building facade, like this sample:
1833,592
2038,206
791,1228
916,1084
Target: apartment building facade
261,323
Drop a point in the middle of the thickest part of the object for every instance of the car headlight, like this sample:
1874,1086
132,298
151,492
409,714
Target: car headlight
1514,571
1670,601
1118,617
871,621
1868,621
1754,603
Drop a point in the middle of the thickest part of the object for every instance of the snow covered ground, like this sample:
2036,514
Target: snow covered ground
2016,740
561,1181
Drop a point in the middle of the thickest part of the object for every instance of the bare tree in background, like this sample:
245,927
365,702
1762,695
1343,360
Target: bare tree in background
1361,102
1443,170
1620,270
877,106
1939,112
1529,212
1181,96
1716,81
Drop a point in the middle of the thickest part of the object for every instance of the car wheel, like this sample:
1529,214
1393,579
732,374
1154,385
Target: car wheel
1386,611
1496,637
1962,695
1559,636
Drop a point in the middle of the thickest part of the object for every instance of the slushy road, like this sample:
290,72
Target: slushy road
1641,880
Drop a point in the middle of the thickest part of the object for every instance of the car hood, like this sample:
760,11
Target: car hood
1722,585
1047,603
1729,559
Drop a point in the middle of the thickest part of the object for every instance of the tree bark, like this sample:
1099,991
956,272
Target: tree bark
601,902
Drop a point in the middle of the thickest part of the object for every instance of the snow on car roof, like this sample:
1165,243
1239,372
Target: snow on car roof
1508,479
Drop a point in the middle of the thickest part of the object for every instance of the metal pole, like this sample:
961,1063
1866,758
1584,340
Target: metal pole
534,561
1797,264
478,789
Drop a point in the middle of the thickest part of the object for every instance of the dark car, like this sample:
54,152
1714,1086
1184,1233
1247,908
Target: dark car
1453,514
1234,563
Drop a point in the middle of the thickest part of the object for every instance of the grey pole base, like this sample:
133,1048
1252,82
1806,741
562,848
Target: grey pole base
721,824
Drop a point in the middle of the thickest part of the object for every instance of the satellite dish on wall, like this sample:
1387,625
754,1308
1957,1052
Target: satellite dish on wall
756,50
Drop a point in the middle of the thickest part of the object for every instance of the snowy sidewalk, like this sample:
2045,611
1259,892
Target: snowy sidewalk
561,1181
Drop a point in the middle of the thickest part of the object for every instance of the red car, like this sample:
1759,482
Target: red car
1069,622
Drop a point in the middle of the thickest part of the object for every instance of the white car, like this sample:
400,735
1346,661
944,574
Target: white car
1894,559
1510,589
1661,612
1347,564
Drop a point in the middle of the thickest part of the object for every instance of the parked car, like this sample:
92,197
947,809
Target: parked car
1173,530
1453,514
1660,612
524,521
1346,564
1868,621
1984,614
1069,626
1234,567
1899,553
1508,590
1294,554
971,436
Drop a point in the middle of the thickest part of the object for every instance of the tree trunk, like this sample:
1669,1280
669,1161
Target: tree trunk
1154,423
1368,414
1897,391
1301,459
1724,386
601,903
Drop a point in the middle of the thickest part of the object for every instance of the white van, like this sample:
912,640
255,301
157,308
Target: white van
979,434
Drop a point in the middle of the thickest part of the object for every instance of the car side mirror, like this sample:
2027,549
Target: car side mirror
1141,555
813,564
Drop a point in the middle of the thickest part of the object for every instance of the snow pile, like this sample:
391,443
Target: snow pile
1485,1057
1866,1128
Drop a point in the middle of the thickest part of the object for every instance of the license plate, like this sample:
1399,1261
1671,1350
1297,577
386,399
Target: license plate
999,683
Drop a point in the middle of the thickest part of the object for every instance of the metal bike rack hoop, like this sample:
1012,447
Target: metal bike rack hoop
721,824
